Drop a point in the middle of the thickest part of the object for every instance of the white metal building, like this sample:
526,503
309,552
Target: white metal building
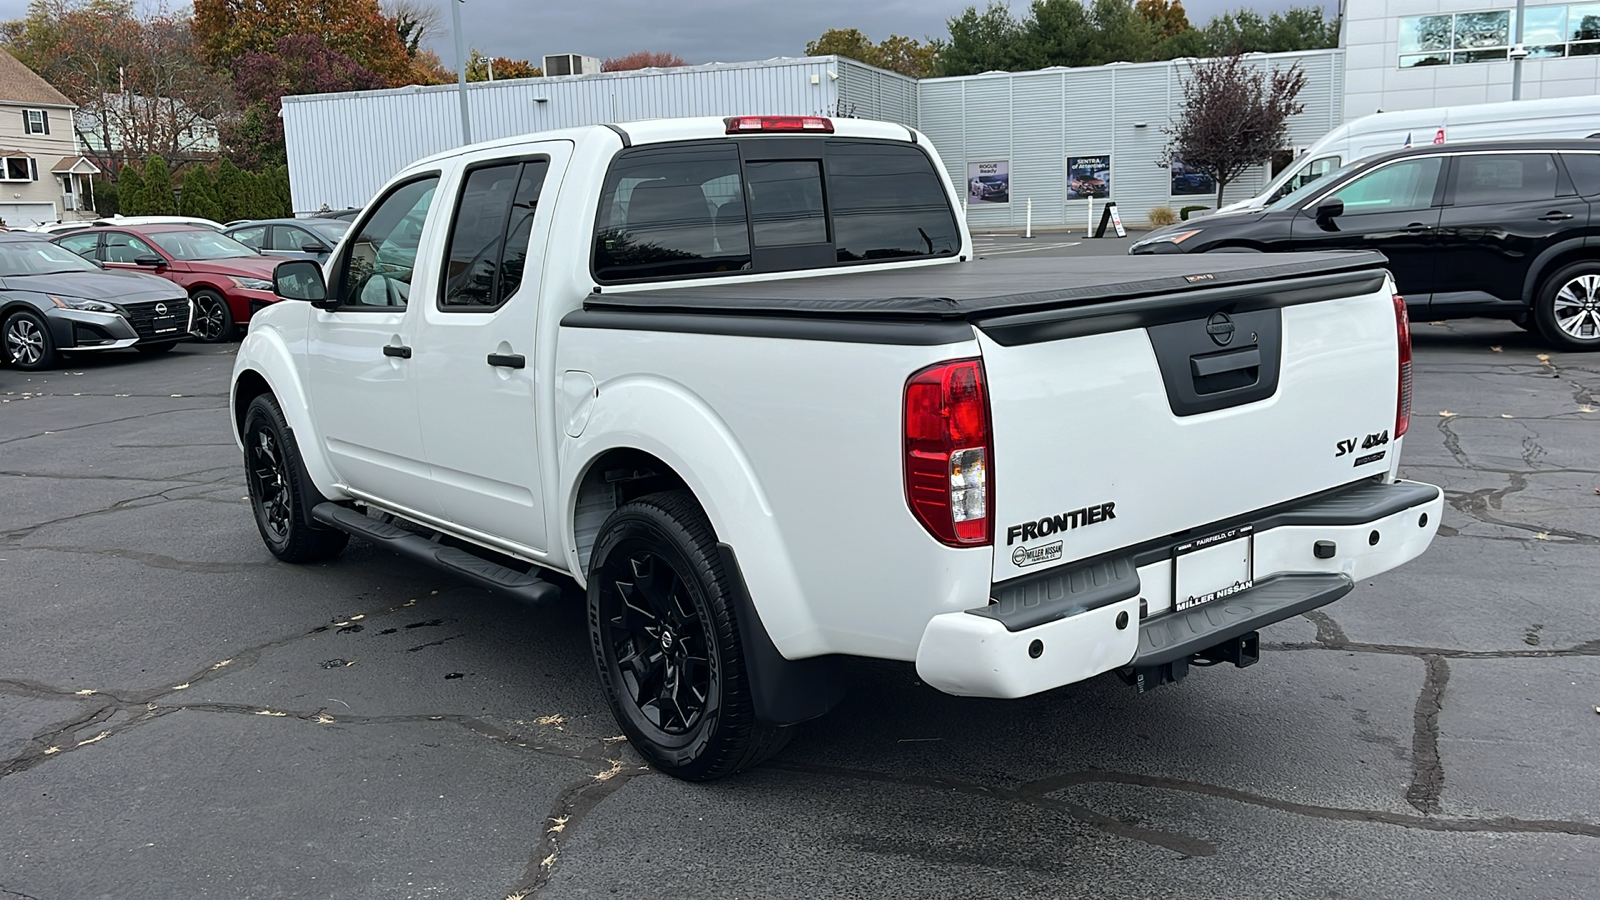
1418,54
342,147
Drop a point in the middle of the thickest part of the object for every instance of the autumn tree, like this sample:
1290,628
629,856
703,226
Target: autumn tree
481,67
1167,16
229,30
301,64
1234,116
139,82
897,53
643,59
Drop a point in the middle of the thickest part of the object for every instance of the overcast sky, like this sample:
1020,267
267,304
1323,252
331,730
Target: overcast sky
700,30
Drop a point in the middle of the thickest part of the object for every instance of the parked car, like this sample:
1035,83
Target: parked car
1186,183
347,215
990,187
1089,186
227,281
52,300
290,238
612,421
1505,229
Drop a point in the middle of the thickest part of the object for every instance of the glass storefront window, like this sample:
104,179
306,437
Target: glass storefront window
1549,32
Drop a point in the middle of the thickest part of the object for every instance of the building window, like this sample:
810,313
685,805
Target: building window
1547,32
20,168
35,121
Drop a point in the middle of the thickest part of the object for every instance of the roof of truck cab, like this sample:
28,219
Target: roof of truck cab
984,287
658,131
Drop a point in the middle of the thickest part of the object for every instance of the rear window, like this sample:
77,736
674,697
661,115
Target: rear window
1487,179
692,210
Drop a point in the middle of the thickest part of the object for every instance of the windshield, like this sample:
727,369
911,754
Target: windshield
332,230
40,258
199,244
1310,189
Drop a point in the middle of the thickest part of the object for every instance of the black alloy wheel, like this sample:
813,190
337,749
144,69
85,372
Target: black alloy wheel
1567,309
281,495
213,320
26,342
667,645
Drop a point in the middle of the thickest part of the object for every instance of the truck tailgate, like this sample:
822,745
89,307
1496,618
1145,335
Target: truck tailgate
1142,419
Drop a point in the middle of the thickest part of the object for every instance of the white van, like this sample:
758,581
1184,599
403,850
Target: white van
1563,117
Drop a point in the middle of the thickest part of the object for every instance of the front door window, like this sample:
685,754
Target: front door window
376,272
1397,187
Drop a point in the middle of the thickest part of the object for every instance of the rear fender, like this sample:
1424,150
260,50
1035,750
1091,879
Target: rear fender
265,353
1544,263
668,421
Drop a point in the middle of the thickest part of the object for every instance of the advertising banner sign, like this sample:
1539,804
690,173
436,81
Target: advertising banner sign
989,182
1088,177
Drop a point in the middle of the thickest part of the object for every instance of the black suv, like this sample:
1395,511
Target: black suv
1504,229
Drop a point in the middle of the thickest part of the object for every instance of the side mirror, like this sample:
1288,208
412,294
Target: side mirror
97,263
300,279
154,262
313,248
1329,209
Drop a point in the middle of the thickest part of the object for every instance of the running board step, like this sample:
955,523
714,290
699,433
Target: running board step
522,586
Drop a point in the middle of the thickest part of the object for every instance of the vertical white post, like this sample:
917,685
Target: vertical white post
1030,218
1089,232
461,75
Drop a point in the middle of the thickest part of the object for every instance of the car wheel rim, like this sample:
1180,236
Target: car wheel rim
25,342
657,637
267,476
1577,308
209,319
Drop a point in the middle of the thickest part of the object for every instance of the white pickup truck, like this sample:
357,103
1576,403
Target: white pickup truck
744,381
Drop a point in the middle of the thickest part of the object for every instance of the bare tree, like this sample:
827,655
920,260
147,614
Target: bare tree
1234,116
415,21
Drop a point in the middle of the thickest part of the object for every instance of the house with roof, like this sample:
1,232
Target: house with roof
43,177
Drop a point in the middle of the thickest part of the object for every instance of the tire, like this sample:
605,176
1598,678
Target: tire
281,494
26,342
153,349
1567,310
666,642
213,320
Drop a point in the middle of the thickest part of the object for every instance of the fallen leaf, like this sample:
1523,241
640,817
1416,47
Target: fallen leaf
271,712
99,737
87,691
1494,349
1446,414
181,687
1504,416
1543,536
322,718
1544,358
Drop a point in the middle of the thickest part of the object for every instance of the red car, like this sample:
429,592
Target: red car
227,280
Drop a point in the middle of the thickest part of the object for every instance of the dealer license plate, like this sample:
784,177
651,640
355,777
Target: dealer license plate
164,324
1216,566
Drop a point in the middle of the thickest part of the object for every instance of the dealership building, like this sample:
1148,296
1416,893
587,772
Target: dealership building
1054,144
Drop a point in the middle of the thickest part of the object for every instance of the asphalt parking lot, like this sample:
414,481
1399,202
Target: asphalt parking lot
181,716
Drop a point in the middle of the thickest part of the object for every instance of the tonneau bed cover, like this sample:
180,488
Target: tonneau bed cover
986,288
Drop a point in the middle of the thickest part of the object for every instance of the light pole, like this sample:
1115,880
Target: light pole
461,69
1518,54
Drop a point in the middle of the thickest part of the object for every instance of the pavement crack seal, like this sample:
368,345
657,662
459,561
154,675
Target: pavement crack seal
1178,843
570,808
10,893
1427,770
1335,813
1328,631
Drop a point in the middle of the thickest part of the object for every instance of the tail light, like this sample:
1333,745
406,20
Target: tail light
1402,328
759,124
948,452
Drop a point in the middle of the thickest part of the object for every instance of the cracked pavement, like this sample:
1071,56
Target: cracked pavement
182,716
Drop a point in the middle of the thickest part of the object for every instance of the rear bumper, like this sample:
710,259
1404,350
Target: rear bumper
1082,621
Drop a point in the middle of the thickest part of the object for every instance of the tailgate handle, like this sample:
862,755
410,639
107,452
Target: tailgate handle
1217,363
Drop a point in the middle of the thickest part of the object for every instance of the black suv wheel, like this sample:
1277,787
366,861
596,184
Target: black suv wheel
1567,309
667,645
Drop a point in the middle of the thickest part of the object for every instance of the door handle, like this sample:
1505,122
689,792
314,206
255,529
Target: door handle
1218,363
397,351
1418,228
508,360
1555,215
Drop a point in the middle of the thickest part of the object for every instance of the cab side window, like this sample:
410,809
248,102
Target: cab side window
1397,187
488,243
85,245
375,273
250,237
125,248
1488,179
288,237
672,212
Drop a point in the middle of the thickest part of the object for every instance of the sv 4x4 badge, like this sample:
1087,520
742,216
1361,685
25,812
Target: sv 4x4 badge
1376,439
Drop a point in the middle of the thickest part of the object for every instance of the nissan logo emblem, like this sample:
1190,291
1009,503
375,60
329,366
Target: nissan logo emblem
1220,327
161,309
